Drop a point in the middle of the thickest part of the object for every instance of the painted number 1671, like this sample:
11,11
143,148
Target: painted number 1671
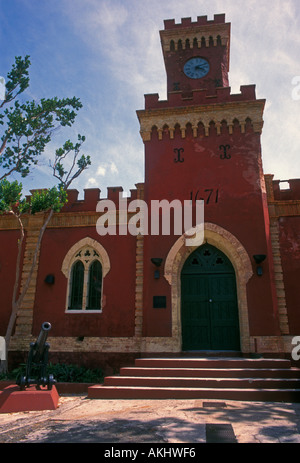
210,196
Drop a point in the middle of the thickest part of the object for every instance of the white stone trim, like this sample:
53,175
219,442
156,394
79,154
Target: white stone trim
236,253
69,261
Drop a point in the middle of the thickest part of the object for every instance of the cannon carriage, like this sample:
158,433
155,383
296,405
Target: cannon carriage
37,362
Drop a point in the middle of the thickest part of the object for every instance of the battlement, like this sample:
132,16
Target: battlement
201,21
282,190
93,195
286,190
200,97
200,110
199,34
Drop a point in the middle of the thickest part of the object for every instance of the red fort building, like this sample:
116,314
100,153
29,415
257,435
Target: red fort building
112,298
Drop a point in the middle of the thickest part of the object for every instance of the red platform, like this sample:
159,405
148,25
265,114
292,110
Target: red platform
12,399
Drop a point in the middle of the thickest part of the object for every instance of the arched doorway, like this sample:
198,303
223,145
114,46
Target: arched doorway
209,306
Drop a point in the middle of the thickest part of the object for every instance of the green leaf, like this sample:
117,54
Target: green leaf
28,126
44,200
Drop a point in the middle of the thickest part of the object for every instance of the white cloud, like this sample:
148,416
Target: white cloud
113,168
121,59
110,16
92,181
101,171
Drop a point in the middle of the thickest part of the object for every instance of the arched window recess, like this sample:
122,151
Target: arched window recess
85,266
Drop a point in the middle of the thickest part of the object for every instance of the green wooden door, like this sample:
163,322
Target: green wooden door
209,302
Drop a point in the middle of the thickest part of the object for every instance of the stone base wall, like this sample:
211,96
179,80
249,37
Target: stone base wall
111,354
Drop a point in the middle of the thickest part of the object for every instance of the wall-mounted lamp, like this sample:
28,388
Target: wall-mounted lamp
157,261
50,279
259,259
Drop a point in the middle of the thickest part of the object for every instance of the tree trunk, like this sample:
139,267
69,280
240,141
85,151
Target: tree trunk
17,300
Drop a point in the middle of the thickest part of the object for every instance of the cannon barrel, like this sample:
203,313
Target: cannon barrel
37,362
39,345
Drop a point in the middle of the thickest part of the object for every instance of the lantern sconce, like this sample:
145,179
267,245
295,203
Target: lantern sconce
157,261
259,259
50,279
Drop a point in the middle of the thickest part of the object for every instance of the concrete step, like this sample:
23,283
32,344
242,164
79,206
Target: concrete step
212,372
239,383
212,363
203,378
122,392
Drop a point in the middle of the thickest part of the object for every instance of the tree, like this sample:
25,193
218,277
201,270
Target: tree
29,125
27,129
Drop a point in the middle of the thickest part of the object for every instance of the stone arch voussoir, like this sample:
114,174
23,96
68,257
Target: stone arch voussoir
236,253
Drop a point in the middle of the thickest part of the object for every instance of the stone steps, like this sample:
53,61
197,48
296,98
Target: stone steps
205,383
203,378
213,372
212,363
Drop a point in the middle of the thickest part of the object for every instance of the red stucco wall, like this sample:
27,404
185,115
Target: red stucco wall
117,317
241,209
289,228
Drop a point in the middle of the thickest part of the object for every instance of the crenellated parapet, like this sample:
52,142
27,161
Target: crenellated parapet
76,212
205,33
202,33
286,192
201,21
200,111
200,97
93,195
283,197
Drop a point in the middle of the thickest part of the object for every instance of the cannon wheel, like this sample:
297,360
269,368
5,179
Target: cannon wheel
50,382
22,383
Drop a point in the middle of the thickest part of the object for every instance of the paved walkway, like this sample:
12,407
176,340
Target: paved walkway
82,420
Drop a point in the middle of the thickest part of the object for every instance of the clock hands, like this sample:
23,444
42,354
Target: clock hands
201,66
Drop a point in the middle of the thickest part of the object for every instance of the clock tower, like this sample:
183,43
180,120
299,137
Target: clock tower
203,142
196,56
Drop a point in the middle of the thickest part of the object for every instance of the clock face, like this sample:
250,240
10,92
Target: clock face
195,68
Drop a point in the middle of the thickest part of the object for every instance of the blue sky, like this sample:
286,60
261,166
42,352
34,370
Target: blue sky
108,53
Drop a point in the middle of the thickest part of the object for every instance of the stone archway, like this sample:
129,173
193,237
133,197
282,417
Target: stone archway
236,253
103,256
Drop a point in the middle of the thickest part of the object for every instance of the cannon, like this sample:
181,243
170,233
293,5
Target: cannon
37,362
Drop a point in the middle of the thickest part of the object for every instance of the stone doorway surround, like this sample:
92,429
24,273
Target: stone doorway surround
236,253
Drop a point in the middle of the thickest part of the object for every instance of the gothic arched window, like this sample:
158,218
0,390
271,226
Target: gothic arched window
94,286
85,280
76,286
85,266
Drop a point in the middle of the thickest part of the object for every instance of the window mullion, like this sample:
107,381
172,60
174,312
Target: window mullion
85,287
